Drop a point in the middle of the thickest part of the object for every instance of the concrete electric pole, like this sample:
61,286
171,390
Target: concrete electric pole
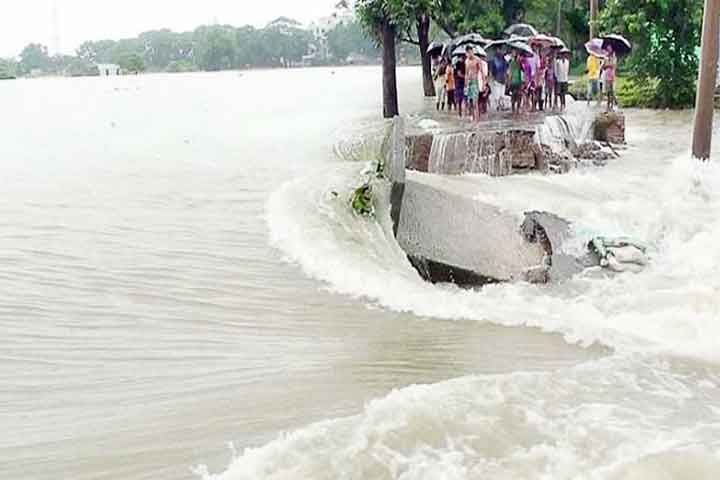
704,104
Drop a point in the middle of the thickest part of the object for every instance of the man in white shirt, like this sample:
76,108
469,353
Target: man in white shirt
562,74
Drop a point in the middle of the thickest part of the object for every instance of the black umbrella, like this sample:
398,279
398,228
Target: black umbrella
435,49
507,41
471,39
522,48
620,45
521,30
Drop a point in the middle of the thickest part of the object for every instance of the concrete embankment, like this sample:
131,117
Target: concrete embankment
448,232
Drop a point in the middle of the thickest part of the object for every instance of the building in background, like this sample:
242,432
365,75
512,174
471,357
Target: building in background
321,27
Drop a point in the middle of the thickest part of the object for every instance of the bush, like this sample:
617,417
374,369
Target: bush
638,93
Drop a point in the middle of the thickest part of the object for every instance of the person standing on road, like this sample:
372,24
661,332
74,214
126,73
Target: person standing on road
450,86
498,71
609,68
515,83
472,82
562,74
593,73
459,72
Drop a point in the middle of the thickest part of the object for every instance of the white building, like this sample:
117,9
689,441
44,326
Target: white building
108,69
322,26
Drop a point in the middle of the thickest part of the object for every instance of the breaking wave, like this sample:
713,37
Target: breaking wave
649,410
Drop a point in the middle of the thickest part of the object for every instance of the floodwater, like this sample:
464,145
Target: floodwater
182,296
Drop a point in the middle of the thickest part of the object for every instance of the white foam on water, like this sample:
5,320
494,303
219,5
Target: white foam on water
618,418
671,307
635,414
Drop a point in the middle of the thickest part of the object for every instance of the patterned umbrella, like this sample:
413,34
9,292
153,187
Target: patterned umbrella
461,51
471,39
435,49
595,47
542,40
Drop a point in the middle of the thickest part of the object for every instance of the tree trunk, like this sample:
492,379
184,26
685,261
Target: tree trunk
558,27
704,104
593,17
423,31
390,97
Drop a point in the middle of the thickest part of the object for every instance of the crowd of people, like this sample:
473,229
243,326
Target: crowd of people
528,79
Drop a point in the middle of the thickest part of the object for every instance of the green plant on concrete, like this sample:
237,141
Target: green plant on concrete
361,200
665,34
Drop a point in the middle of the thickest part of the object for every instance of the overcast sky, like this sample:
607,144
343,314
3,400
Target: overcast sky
25,21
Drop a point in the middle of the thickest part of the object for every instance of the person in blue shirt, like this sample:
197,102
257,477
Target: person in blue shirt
498,73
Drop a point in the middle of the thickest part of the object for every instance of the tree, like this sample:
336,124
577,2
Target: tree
96,52
131,63
377,18
8,68
464,16
416,17
35,57
665,34
348,38
160,47
214,47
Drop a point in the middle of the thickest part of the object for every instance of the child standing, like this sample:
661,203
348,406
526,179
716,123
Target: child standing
562,73
609,68
450,87
440,89
515,83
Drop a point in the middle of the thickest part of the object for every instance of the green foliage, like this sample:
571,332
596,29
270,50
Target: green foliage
349,38
35,57
665,34
638,93
8,68
487,17
132,63
180,66
214,47
361,201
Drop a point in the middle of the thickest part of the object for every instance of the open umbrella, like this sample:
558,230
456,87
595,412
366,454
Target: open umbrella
471,39
521,30
523,48
507,41
459,52
559,44
542,40
595,47
435,49
620,45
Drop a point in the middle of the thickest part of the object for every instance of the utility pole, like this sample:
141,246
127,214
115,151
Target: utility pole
704,104
593,17
559,19
55,29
